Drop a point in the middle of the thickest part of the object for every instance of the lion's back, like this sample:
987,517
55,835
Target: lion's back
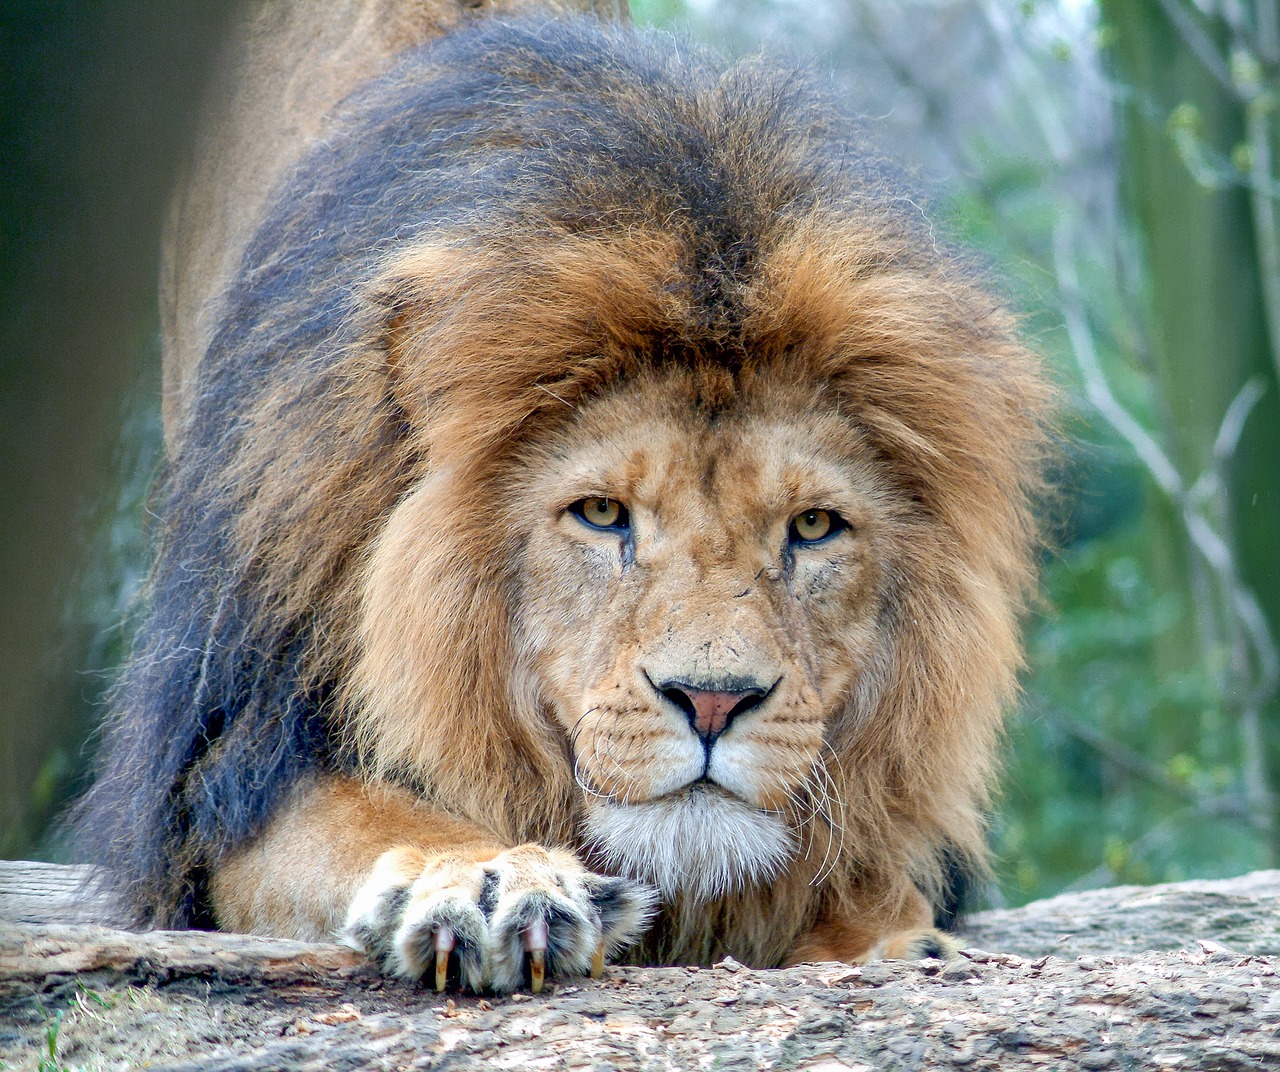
280,80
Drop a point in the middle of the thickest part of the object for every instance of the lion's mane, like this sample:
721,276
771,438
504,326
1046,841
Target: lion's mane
509,221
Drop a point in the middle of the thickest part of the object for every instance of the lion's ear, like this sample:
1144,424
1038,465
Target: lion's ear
483,334
405,297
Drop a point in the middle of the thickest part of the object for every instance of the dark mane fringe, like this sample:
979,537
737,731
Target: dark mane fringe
473,191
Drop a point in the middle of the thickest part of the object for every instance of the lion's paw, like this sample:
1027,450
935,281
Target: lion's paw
920,944
495,924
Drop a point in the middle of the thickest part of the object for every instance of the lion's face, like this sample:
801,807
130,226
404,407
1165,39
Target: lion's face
700,595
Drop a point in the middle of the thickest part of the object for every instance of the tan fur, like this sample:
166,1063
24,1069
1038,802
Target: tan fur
301,886
904,934
492,651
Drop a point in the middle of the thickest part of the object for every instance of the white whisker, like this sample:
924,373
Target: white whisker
827,793
578,777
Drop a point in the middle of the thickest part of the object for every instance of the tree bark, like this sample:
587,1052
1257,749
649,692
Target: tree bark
1168,977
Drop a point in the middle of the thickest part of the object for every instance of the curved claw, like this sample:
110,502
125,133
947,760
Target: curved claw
597,962
534,938
444,947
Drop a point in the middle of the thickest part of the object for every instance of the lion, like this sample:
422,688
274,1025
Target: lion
597,519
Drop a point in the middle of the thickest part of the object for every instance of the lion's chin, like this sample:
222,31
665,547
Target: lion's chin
698,843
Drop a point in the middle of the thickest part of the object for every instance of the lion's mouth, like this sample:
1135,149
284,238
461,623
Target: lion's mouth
704,783
707,793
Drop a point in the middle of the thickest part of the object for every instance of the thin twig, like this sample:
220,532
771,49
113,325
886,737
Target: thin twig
1097,389
1198,41
1233,422
1258,125
1053,130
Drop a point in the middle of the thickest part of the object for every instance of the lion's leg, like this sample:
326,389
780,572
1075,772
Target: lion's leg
903,933
421,891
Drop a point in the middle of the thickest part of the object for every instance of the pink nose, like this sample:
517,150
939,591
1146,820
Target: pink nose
711,711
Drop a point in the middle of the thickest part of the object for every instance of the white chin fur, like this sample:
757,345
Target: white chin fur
700,844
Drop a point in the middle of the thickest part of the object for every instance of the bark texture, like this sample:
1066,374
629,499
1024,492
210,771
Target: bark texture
1183,976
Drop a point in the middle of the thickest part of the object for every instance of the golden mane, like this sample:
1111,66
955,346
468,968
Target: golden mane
918,355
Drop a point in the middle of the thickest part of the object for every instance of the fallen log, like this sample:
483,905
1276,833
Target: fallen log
1181,976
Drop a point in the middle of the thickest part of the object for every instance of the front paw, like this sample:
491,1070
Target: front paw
919,944
493,924
860,943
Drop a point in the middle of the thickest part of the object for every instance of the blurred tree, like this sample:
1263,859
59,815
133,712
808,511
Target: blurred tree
1198,144
95,104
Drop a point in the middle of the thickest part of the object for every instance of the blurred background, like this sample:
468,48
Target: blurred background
1113,161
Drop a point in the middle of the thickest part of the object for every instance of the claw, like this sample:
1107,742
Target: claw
444,946
597,961
535,943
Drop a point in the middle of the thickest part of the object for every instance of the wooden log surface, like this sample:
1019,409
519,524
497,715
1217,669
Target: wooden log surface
1183,976
32,892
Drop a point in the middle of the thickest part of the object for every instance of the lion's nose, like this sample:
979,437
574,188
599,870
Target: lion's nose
710,711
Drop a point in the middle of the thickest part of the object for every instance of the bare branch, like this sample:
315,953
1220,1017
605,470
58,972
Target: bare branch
1198,41
1237,415
1056,137
1096,387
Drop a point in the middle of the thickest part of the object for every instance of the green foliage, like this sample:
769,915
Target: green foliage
49,1059
1127,763
1117,772
85,1004
659,12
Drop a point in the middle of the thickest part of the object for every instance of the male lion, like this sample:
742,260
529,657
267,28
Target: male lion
596,517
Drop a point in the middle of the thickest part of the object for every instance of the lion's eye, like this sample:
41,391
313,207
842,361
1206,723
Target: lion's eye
601,513
813,526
